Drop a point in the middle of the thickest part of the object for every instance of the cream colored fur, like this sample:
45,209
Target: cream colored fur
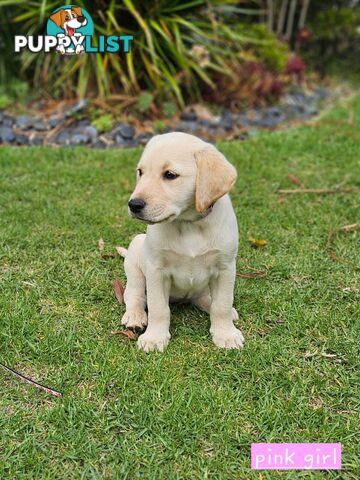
190,247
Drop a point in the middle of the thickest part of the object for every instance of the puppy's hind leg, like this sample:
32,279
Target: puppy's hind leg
203,302
135,295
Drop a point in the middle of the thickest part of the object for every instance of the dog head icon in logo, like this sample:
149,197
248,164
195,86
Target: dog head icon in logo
70,24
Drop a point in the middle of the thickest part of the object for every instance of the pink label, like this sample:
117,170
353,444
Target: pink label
296,456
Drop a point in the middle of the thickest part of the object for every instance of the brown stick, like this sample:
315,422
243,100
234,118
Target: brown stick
260,274
320,190
29,380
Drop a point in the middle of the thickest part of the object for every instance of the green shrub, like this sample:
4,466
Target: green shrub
165,58
5,101
159,125
335,37
12,92
169,109
104,123
145,101
267,48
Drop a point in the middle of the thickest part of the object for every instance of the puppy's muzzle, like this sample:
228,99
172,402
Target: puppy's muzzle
136,205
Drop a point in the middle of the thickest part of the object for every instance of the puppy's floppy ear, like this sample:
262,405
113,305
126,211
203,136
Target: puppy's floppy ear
57,18
215,177
78,11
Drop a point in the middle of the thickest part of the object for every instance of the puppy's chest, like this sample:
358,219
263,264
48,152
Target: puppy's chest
190,264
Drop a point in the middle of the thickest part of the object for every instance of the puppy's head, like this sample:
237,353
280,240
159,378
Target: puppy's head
179,177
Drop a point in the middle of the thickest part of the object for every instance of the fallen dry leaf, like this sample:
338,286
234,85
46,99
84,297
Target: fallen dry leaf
257,243
119,291
101,244
127,333
294,179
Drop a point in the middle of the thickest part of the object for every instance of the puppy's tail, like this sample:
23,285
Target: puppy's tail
121,251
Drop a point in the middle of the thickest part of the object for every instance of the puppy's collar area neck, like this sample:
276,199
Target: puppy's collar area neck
207,211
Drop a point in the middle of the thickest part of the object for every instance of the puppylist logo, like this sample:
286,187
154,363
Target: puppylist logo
70,31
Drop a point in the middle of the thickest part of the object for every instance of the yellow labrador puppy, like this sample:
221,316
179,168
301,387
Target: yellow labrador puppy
189,250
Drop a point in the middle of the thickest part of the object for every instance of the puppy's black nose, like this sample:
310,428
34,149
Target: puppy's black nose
136,205
81,19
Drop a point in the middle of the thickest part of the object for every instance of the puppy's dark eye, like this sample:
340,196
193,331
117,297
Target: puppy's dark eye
67,17
139,172
168,175
74,15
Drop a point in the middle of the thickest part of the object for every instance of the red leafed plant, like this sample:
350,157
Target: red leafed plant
252,84
296,68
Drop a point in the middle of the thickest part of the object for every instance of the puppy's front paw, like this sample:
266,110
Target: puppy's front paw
231,338
153,341
136,319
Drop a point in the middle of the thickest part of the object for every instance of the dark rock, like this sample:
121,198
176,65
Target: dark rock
274,112
24,122
55,121
227,121
143,138
271,118
210,123
187,126
36,140
40,126
120,141
78,139
99,144
22,140
241,136
7,121
91,132
242,121
125,130
6,135
63,138
83,123
189,116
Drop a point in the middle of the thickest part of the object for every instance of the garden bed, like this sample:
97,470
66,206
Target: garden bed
69,125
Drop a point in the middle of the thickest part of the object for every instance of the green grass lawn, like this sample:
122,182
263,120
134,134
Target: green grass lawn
193,411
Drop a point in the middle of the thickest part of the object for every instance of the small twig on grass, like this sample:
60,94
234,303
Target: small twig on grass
329,244
259,274
319,190
29,380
